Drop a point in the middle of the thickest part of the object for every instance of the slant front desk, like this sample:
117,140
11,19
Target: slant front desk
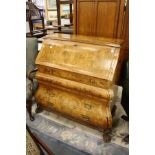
76,76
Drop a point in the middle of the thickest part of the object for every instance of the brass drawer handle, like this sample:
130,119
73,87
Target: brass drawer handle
75,45
85,118
50,104
87,106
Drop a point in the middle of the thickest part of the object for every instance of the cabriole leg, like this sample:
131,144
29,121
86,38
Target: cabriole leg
106,135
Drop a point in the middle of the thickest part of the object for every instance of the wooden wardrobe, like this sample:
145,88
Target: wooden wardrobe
99,17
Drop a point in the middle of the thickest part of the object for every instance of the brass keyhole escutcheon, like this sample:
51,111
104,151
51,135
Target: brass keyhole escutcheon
87,106
85,118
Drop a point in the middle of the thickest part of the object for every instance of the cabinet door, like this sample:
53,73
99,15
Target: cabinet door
86,17
107,18
99,17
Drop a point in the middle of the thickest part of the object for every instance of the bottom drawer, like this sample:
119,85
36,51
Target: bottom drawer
81,108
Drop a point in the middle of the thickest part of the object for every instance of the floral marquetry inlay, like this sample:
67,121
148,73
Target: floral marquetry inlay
76,76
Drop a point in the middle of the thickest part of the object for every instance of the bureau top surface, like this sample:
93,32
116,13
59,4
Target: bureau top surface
85,39
94,60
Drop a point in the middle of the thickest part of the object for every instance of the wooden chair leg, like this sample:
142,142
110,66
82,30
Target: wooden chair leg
29,109
71,17
58,14
126,138
38,109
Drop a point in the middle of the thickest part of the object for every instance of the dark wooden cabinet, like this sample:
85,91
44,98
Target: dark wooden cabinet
99,17
125,34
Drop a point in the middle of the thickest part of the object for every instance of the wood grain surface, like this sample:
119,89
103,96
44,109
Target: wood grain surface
76,77
99,17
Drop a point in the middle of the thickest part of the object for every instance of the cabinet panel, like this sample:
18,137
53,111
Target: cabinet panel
99,17
86,18
107,19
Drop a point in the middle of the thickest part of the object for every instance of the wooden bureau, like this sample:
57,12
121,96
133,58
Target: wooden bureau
76,76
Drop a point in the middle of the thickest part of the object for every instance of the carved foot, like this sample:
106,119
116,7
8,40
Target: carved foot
38,109
126,139
29,109
106,136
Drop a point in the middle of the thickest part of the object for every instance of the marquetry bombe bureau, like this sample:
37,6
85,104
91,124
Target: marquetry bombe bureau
76,76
